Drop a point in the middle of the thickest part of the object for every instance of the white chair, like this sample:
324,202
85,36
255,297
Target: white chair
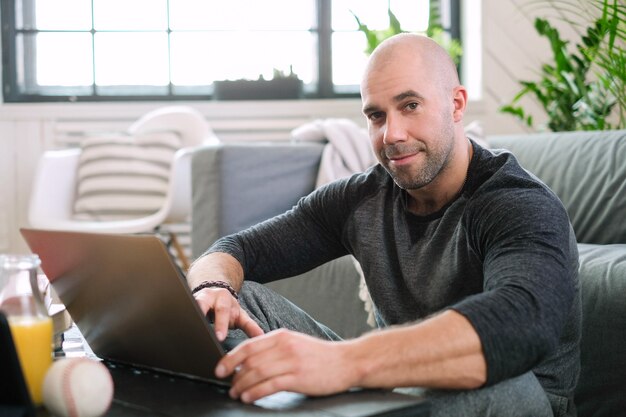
54,188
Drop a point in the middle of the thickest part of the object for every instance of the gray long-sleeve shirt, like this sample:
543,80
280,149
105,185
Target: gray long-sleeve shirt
503,254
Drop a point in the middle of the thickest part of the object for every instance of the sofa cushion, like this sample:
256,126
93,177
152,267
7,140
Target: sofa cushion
236,186
600,390
586,170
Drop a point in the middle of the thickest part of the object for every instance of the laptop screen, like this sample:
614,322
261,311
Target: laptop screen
129,300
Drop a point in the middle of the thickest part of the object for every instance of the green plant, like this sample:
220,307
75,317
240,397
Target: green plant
375,37
581,90
434,31
278,73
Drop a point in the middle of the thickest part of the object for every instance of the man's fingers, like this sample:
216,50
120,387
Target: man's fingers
235,357
266,387
284,360
249,326
222,311
253,371
226,313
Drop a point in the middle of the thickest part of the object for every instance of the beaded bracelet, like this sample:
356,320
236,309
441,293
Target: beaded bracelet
216,284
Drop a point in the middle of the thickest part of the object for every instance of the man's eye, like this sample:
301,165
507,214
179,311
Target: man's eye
412,106
375,115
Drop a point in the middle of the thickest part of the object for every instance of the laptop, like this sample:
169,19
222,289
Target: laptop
133,306
129,300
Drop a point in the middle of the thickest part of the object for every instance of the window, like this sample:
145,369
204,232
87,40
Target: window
179,49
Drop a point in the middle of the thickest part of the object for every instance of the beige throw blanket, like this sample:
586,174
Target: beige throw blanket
347,151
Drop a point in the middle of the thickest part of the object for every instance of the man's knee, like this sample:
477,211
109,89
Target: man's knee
262,301
521,396
273,311
250,293
255,298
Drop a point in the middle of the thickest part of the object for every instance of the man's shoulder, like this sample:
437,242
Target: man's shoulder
373,180
345,194
500,171
498,182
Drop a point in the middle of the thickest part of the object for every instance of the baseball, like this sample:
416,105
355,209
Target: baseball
77,387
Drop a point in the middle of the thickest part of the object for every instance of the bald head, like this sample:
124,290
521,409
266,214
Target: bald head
429,60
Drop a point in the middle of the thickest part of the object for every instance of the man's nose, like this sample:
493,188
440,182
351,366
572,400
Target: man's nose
395,130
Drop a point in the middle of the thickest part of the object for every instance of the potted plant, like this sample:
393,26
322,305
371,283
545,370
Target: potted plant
280,86
434,31
581,89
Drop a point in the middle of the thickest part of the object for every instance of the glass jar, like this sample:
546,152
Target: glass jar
31,326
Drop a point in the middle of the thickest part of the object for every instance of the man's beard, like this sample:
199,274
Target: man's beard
435,162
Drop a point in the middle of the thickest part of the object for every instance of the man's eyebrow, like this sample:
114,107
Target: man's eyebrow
407,94
369,109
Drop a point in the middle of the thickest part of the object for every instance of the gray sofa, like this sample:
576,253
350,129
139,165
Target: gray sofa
235,186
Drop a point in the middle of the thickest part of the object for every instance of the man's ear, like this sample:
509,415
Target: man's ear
459,99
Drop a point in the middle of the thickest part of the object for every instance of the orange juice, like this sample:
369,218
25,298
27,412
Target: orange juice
33,341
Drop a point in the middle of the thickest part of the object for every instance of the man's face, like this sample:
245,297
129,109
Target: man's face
410,122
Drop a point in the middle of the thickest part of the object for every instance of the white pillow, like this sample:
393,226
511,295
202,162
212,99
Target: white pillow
124,177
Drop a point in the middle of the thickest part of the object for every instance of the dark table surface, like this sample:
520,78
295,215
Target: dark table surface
142,393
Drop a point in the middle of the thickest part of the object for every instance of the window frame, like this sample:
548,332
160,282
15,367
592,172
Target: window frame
325,87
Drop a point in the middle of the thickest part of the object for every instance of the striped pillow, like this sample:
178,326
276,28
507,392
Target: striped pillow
124,177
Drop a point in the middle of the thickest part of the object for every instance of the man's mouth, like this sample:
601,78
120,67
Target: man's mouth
403,158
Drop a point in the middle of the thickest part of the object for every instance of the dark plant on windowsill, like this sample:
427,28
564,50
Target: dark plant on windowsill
281,86
434,31
584,89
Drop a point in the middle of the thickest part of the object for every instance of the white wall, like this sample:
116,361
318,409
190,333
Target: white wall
511,50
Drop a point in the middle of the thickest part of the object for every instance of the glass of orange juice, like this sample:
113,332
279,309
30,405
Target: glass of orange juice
31,327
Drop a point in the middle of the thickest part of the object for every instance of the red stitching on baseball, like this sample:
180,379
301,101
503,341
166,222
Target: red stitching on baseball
67,388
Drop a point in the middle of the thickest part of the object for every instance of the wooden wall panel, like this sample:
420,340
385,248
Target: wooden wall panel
509,51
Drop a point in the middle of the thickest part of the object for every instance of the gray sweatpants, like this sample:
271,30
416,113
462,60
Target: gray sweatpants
522,396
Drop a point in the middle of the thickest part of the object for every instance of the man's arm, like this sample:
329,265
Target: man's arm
283,246
218,266
443,351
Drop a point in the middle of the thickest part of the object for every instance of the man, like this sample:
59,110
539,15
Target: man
470,261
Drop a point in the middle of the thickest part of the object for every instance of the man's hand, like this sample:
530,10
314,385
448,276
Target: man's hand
219,302
226,311
443,351
283,360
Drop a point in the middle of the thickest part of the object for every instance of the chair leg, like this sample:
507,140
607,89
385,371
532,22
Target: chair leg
180,253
